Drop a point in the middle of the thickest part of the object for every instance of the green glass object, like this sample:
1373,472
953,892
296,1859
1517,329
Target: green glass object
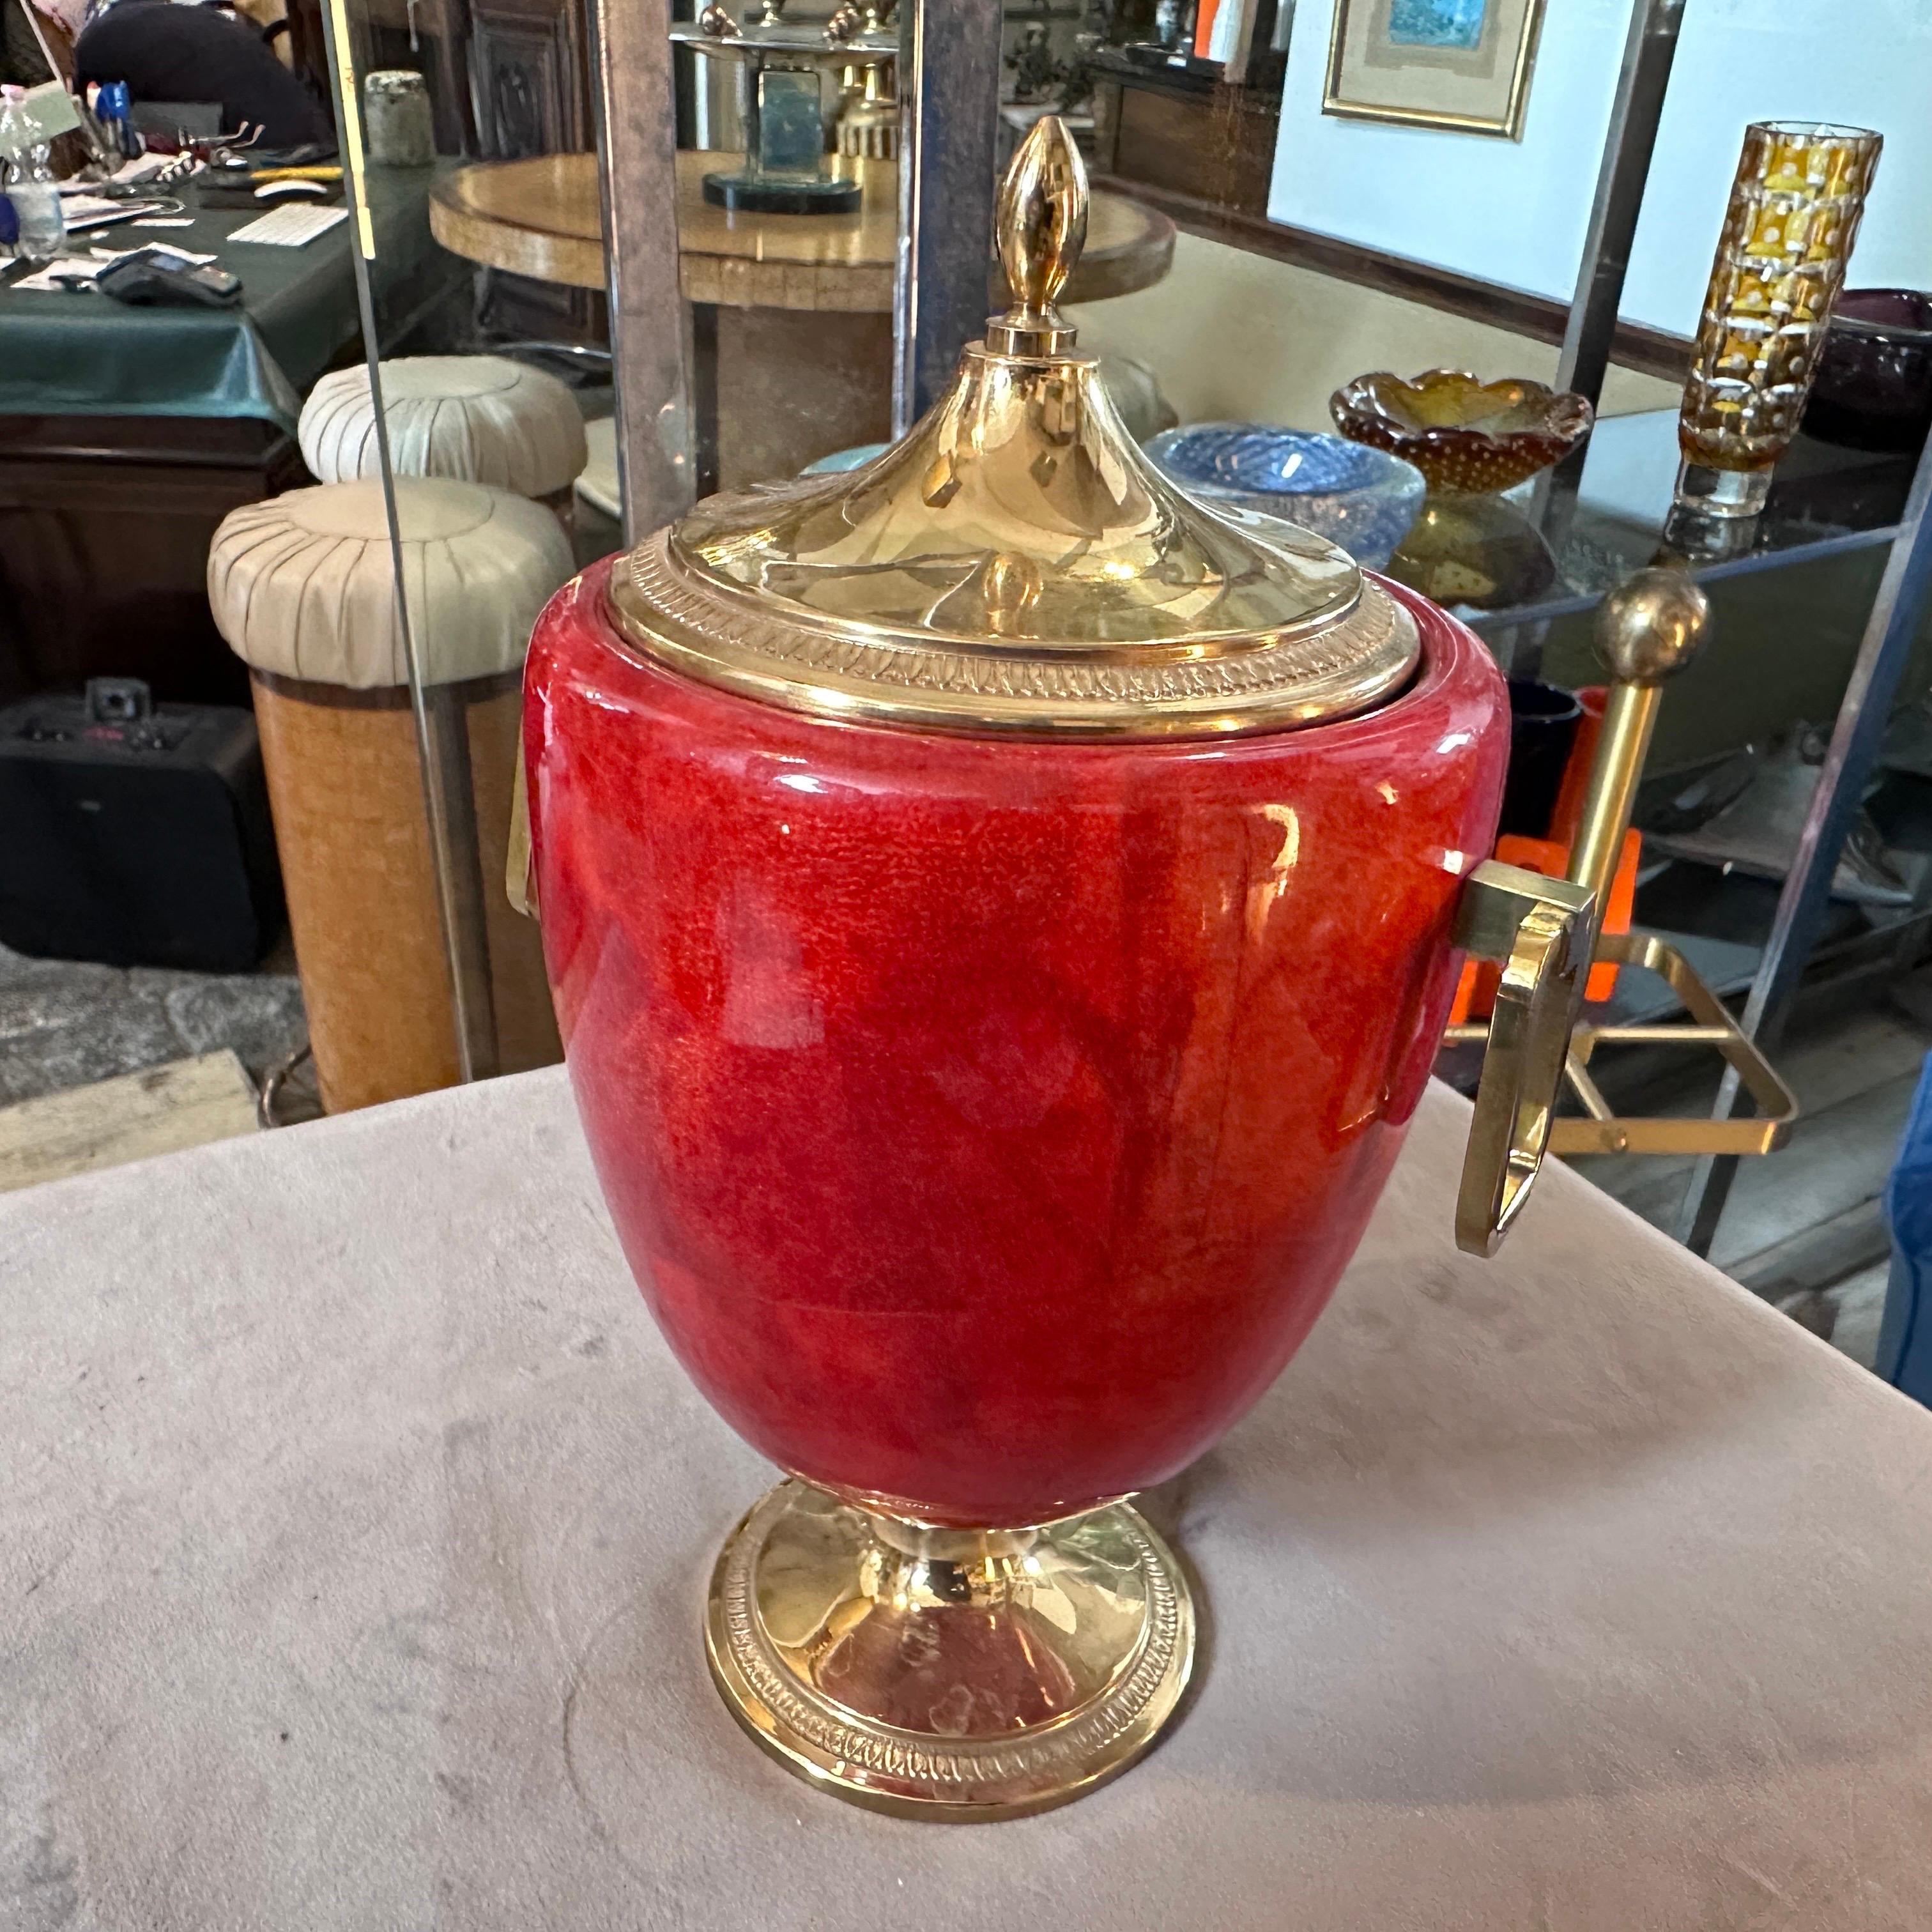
791,138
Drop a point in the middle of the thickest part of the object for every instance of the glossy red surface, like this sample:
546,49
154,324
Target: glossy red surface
988,1121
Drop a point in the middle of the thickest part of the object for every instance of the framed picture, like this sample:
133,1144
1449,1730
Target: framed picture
1460,65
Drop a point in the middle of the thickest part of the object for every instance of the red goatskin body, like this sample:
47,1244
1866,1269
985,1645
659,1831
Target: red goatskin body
987,1119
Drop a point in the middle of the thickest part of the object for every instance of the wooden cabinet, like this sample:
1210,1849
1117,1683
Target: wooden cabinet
529,83
105,522
529,67
1188,135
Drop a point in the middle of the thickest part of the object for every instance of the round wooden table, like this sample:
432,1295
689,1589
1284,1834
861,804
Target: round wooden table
542,218
792,313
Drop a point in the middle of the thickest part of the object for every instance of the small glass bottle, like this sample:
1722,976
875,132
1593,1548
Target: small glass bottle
29,183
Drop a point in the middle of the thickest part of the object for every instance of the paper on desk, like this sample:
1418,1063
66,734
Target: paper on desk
142,168
86,268
85,211
165,253
43,281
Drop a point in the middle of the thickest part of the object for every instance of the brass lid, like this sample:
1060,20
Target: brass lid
1015,564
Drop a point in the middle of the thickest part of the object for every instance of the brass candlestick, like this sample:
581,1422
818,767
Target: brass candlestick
1648,630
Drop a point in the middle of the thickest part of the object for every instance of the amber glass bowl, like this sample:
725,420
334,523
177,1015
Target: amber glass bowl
1469,439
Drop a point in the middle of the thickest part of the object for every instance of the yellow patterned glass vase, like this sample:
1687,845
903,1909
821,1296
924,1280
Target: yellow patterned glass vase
1795,210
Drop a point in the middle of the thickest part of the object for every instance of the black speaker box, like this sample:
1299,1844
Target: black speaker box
135,835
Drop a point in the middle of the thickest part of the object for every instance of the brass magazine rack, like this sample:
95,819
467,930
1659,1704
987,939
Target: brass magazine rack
1648,630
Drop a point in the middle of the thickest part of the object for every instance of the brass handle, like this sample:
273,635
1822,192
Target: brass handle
520,887
1540,930
1648,629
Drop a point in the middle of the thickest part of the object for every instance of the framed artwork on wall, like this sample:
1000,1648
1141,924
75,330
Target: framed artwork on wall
1463,65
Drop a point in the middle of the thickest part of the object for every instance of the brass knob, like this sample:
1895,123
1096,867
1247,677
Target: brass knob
1650,626
1041,224
1648,629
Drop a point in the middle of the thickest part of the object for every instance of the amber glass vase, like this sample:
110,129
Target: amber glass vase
1795,210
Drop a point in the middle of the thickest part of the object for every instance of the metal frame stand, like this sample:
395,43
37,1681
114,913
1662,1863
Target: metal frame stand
949,117
1643,81
1862,716
1650,49
443,744
636,137
1635,112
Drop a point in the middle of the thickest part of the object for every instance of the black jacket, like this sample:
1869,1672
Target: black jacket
166,52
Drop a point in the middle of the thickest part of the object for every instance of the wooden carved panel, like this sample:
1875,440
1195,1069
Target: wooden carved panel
529,68
530,76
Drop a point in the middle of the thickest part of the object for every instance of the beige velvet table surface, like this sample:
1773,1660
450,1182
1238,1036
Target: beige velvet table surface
355,1523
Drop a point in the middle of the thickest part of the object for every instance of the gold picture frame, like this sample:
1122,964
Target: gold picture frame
1461,65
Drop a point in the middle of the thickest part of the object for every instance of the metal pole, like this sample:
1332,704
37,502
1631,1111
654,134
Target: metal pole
1648,51
1882,656
1637,106
949,112
449,799
636,140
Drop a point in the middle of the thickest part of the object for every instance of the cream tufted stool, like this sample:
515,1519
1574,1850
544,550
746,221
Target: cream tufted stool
472,419
598,485
303,589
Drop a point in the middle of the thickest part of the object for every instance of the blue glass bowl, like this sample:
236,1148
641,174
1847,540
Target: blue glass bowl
1362,498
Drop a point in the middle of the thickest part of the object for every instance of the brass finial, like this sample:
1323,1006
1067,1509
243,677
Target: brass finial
1650,627
1042,225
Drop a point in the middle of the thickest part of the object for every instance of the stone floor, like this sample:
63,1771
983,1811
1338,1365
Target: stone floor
64,1024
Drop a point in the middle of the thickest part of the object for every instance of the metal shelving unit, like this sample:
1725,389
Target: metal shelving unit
1827,502
1890,512
1601,515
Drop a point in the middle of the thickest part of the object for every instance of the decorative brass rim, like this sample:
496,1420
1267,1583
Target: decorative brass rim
875,675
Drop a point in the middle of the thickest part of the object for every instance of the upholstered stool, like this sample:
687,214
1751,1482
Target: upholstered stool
471,418
597,484
302,588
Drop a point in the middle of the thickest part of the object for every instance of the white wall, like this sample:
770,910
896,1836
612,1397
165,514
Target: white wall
1507,211
1868,62
1237,336
1514,212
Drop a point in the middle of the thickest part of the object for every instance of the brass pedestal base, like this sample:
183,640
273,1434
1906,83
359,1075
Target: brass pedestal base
947,1674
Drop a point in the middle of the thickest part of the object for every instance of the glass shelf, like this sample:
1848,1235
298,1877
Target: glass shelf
1825,501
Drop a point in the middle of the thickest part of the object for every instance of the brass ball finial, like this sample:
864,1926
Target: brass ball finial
1041,222
1651,626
